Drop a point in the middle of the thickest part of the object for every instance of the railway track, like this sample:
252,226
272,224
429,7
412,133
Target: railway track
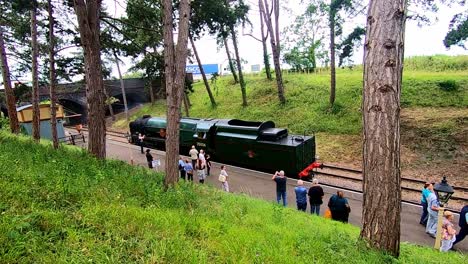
350,179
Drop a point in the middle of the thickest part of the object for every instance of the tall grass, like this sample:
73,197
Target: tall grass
436,63
67,207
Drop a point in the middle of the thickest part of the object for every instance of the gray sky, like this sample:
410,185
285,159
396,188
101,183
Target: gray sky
425,40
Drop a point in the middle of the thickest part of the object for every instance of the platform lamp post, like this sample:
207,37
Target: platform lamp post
443,191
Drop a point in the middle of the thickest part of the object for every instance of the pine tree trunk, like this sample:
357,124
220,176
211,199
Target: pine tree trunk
88,23
151,91
35,79
186,105
175,80
332,58
10,96
266,60
122,86
53,97
383,67
202,71
231,65
239,67
109,104
276,53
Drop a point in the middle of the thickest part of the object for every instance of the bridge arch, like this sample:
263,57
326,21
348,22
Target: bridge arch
73,108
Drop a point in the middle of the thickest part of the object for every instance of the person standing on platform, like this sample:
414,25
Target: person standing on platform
448,232
208,164
463,223
141,138
201,171
223,178
193,153
149,159
189,170
432,211
280,180
339,207
182,168
201,156
301,196
315,197
424,194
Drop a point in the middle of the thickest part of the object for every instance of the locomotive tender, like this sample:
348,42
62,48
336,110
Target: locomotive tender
256,145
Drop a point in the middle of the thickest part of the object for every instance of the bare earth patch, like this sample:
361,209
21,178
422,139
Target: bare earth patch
434,144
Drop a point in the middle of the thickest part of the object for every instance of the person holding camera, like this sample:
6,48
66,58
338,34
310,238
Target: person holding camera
280,180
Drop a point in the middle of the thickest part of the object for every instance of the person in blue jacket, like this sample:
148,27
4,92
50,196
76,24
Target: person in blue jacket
301,196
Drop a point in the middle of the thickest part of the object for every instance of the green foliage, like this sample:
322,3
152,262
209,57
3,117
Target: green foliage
348,44
4,123
67,207
458,32
448,85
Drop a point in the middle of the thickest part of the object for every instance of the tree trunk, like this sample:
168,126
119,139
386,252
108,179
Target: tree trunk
151,91
10,96
239,67
266,60
175,80
231,65
186,105
332,58
383,67
276,52
109,104
35,79
53,97
122,86
202,71
88,23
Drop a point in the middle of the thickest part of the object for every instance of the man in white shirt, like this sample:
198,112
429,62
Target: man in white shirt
193,153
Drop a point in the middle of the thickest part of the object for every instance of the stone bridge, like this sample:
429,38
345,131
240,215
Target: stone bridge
73,96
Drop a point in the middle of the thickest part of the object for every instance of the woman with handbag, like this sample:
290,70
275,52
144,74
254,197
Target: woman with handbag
223,178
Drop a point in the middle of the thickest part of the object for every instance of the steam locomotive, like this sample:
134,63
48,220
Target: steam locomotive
255,145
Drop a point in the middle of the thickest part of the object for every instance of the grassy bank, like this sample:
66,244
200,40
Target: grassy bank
307,108
66,207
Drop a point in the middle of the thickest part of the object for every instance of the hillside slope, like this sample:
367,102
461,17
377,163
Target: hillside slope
66,207
434,113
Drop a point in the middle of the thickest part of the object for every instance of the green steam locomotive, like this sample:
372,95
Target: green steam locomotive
255,145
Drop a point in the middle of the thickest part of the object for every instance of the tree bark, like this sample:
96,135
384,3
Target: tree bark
332,57
186,105
88,23
122,86
239,67
383,68
266,60
231,65
275,49
109,104
175,80
35,79
202,71
10,96
53,97
151,91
